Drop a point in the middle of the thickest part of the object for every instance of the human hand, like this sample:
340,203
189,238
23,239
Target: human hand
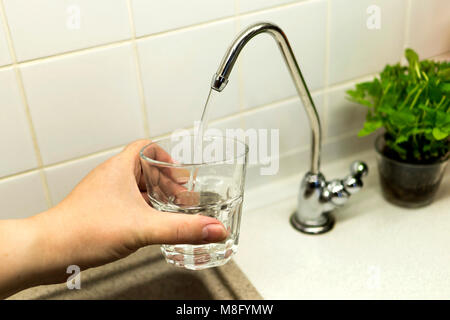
106,217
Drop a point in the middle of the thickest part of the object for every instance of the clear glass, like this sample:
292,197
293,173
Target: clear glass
188,175
405,184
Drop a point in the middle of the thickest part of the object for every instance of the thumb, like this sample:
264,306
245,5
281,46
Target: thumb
180,228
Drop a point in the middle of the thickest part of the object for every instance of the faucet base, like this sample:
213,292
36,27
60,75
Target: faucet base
310,229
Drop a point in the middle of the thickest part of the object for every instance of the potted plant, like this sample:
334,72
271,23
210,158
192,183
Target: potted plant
412,104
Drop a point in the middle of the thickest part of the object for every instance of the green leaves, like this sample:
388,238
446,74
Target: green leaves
438,134
412,103
411,56
401,118
369,127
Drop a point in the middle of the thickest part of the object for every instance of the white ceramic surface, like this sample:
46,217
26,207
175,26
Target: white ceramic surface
22,196
265,77
357,45
17,152
56,26
375,251
84,103
157,16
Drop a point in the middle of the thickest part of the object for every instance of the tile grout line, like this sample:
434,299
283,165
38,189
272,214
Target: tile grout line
26,106
406,32
307,147
73,52
245,112
279,6
241,87
213,121
73,160
140,82
222,19
326,73
341,136
63,162
147,36
18,174
166,135
16,64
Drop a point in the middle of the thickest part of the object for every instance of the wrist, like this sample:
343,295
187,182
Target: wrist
50,248
18,252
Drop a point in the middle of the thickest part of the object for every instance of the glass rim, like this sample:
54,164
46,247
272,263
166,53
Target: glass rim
184,165
380,138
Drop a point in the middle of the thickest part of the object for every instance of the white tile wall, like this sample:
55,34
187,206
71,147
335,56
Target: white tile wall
17,145
156,16
345,147
177,69
355,49
265,77
222,125
295,163
63,178
83,105
48,27
427,25
289,118
21,196
344,116
5,57
251,5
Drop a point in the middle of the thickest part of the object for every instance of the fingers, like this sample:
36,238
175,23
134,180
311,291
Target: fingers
179,228
129,159
135,147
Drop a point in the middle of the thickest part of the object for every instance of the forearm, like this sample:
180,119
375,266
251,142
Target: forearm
19,247
37,250
33,251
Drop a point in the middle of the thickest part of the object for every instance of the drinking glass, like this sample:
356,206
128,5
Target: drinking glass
188,175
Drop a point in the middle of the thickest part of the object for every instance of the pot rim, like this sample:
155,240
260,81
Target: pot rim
415,165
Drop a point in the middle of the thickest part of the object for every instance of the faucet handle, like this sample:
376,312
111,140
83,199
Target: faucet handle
338,191
318,197
359,169
353,182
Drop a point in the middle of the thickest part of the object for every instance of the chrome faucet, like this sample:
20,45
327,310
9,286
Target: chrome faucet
317,197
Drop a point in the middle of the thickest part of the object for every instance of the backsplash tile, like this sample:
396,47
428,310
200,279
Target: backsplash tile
156,16
333,150
15,136
63,178
265,76
289,118
357,46
290,164
343,116
177,76
54,26
5,57
84,103
22,196
429,27
250,5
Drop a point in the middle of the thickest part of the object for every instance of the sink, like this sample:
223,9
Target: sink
146,275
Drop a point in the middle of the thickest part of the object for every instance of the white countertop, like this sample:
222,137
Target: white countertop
375,251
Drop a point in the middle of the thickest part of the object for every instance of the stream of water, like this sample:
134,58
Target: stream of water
198,140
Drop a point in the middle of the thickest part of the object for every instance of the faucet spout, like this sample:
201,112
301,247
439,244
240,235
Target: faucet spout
317,197
220,79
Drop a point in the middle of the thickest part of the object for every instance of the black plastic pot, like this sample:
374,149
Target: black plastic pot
408,185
